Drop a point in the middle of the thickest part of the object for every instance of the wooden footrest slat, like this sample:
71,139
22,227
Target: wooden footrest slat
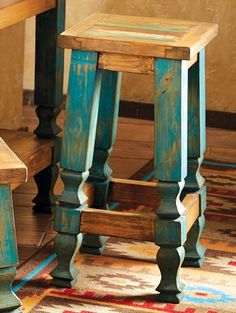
134,191
118,224
136,226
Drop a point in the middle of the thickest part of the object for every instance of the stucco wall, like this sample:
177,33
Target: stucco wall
221,53
11,78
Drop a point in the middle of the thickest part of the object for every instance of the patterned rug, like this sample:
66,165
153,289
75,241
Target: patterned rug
124,278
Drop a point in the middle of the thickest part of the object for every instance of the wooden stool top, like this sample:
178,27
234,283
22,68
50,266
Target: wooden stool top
143,36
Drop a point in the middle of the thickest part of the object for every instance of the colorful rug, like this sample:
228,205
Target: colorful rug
124,278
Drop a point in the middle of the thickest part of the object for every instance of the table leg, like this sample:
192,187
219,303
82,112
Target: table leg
49,65
105,137
76,159
8,253
170,169
196,148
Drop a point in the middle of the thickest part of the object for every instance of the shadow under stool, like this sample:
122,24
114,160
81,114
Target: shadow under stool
173,52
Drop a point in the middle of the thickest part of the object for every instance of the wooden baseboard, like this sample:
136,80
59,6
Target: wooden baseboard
139,110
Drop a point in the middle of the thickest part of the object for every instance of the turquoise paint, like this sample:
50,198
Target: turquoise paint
128,35
170,120
108,110
67,220
141,26
37,270
8,250
218,296
81,111
177,234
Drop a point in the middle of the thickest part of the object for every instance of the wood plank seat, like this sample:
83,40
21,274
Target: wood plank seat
36,153
12,169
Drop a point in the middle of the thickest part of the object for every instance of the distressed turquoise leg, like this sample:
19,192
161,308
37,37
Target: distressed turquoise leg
8,253
196,148
76,159
170,169
105,137
49,64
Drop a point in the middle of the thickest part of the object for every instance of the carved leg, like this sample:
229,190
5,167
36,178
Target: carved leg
8,253
48,96
105,137
196,148
170,170
76,159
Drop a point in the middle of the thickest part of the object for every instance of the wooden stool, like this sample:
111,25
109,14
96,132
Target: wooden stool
12,171
103,46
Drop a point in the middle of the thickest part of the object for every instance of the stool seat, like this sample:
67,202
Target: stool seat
142,36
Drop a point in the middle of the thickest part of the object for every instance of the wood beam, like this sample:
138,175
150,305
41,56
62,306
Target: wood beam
131,63
136,226
12,12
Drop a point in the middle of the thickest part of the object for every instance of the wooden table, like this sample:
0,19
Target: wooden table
39,150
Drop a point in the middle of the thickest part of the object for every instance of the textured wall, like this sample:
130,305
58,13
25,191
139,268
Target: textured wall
11,78
221,53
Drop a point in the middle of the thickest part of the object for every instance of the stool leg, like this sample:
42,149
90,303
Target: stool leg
76,159
49,64
170,169
196,148
8,253
105,137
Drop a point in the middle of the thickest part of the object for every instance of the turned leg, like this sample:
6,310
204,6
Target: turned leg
76,159
8,253
196,148
105,137
170,170
48,96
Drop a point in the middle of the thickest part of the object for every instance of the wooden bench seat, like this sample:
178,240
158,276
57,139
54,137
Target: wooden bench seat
36,153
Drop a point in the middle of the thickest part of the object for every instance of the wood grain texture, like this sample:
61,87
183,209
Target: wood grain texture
170,111
81,112
126,63
130,63
170,167
8,251
144,36
134,191
13,12
136,226
29,150
12,169
76,159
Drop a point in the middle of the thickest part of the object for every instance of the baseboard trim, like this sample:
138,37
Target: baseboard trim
139,110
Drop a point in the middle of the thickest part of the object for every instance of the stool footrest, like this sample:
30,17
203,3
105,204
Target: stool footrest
136,226
135,192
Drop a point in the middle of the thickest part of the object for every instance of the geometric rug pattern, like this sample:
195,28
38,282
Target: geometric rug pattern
124,278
